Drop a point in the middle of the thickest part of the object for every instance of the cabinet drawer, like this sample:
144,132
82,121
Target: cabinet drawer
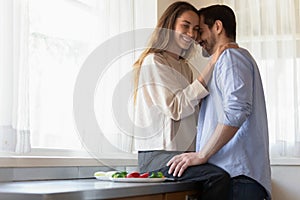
179,195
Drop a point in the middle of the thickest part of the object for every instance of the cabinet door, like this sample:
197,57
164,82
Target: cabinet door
180,195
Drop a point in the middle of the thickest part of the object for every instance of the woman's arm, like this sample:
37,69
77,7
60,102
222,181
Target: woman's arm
205,74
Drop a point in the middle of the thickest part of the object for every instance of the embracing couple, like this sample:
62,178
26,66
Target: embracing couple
211,128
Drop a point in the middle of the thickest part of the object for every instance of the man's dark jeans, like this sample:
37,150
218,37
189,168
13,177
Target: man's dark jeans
245,188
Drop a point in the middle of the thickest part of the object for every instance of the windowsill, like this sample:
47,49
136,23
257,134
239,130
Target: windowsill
63,161
45,164
56,168
60,158
285,162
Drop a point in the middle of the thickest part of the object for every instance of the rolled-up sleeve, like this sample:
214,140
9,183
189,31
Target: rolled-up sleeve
235,82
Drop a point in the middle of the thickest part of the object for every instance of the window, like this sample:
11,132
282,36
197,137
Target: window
56,37
62,35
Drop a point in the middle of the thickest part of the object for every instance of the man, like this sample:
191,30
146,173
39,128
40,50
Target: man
232,126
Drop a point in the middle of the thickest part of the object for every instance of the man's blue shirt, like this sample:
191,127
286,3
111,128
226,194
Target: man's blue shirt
237,99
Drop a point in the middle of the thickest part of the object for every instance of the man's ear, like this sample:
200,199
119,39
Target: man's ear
218,26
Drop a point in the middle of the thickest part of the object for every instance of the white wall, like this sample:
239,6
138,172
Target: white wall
286,182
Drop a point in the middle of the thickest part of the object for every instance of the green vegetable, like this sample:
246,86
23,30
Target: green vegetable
156,175
119,175
160,175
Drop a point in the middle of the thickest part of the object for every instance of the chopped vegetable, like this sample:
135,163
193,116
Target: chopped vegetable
156,175
144,175
104,174
119,174
124,174
160,175
100,174
133,175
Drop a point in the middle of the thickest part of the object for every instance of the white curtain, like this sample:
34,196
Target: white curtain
131,15
14,76
270,30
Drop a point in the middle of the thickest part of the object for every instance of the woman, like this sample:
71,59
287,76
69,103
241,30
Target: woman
166,94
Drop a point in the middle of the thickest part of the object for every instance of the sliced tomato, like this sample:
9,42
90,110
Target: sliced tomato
144,175
133,175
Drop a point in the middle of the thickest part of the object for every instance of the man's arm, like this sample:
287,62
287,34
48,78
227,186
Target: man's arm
222,134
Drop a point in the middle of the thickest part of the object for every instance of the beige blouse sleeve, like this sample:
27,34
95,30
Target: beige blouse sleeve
166,89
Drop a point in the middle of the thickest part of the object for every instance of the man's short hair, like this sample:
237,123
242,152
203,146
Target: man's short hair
223,13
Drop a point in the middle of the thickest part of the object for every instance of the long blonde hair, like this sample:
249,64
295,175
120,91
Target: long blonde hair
161,38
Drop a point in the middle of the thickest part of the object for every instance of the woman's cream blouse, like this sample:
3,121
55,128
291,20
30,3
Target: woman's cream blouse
166,107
